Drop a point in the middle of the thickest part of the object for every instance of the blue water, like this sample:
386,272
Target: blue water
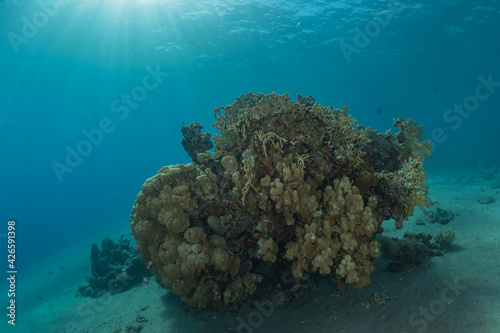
66,68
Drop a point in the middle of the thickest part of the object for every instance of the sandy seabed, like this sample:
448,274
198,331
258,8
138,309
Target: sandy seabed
459,292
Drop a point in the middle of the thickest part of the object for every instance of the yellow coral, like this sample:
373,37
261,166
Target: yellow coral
413,178
320,243
268,249
347,269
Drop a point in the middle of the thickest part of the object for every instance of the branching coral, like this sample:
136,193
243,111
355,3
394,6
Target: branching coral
444,238
293,187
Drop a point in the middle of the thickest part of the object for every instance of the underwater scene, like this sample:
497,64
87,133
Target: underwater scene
249,166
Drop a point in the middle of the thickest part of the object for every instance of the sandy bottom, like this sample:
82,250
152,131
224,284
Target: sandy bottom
459,292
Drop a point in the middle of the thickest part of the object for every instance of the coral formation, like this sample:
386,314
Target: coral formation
444,238
410,251
115,267
441,216
292,187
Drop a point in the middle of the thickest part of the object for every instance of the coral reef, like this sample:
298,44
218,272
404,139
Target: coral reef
293,188
410,251
115,267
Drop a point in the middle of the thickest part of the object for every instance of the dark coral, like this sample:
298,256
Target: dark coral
486,200
115,267
195,141
410,251
441,216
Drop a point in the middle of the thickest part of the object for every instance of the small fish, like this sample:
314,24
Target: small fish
379,111
268,165
298,25
149,264
145,279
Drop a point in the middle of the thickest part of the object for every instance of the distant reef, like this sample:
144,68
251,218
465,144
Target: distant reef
116,267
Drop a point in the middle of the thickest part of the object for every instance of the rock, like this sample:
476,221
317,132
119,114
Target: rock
440,216
410,251
486,201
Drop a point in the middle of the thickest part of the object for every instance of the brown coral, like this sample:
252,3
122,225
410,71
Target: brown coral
293,187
